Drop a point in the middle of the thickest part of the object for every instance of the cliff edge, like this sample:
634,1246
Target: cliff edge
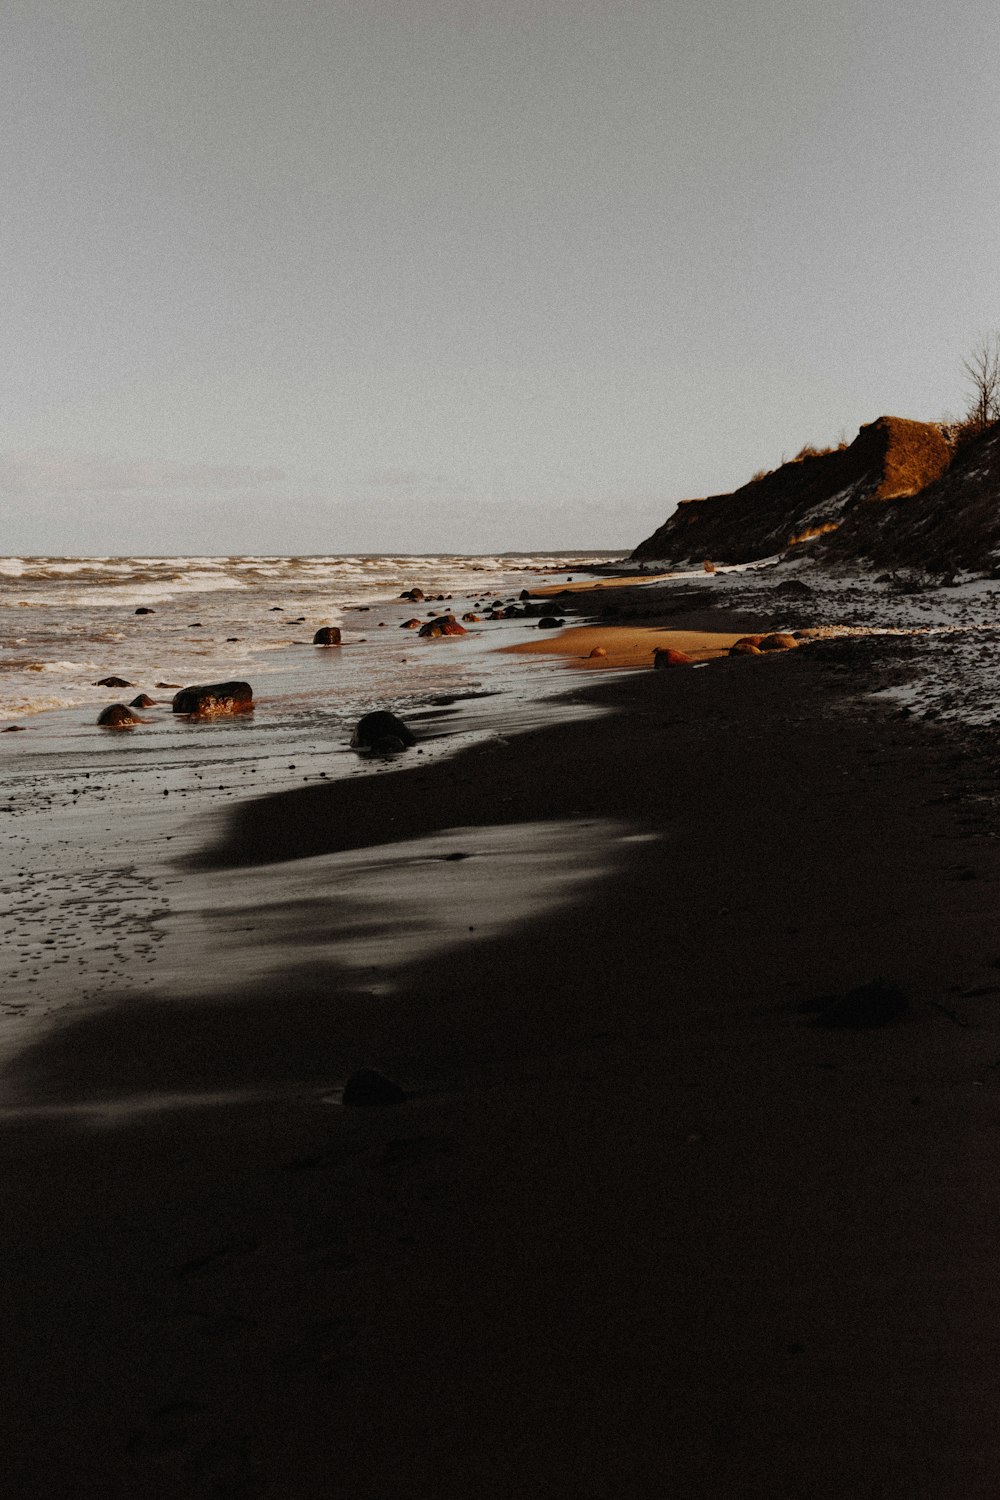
815,495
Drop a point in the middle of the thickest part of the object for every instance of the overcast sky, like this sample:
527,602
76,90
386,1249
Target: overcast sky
337,275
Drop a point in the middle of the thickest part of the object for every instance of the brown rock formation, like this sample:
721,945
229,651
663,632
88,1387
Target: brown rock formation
812,496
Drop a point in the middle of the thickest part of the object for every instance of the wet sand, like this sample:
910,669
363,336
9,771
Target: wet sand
641,1228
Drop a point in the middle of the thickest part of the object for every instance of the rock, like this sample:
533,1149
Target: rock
749,640
370,1089
779,641
141,702
113,682
471,619
743,648
549,622
708,566
327,635
280,607
443,625
524,594
214,698
14,729
378,727
117,716
794,587
142,610
410,625
862,1009
167,684
668,656
597,651
414,595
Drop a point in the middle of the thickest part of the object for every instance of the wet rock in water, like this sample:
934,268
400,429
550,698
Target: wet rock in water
668,656
779,641
410,625
743,648
370,1089
113,682
280,607
117,716
414,595
524,594
471,619
14,729
167,684
597,651
141,702
375,729
327,635
142,610
214,698
549,622
443,625
862,1009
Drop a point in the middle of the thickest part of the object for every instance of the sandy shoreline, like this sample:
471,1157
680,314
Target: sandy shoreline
642,1227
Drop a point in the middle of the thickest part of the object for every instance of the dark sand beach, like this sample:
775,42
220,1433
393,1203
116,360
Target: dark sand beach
644,1226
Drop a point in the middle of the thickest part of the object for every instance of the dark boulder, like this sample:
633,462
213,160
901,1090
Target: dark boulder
443,625
375,730
141,702
327,635
414,595
113,682
214,698
795,588
549,622
524,594
142,610
862,1009
117,716
370,1089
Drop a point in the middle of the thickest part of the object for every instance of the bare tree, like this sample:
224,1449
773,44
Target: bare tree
982,370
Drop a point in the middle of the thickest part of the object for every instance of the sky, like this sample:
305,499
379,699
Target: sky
309,276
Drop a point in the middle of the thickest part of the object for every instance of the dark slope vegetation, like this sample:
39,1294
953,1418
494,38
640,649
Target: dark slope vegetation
890,459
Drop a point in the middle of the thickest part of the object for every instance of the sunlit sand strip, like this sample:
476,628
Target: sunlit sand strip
624,645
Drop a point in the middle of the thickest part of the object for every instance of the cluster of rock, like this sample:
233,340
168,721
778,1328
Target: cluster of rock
202,700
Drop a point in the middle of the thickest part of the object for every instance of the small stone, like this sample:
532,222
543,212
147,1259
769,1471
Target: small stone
142,610
864,1008
113,682
597,651
668,656
369,1089
117,716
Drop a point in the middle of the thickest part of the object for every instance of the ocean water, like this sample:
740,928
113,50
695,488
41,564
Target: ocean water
66,622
